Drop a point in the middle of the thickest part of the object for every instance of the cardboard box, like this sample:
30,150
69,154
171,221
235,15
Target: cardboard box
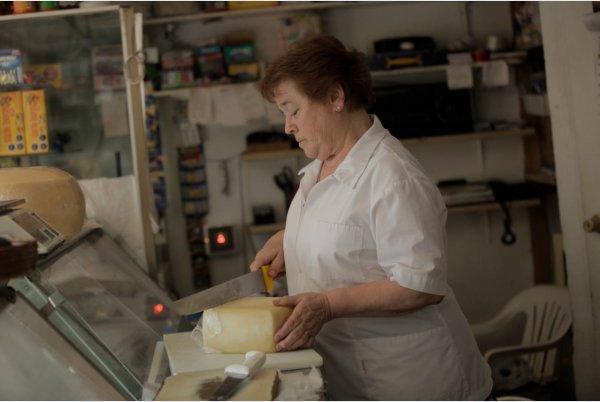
11,67
35,121
45,74
12,135
107,68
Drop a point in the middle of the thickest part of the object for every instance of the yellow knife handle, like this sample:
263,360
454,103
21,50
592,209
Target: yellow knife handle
267,278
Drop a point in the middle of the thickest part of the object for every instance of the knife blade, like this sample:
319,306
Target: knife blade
245,285
237,373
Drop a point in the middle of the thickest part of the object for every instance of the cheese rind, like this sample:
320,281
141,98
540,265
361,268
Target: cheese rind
243,325
51,193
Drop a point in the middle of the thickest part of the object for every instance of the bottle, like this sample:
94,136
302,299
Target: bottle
48,5
20,7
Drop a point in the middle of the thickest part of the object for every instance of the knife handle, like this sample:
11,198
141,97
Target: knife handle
267,279
253,361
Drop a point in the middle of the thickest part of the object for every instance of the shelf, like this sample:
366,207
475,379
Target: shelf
541,178
437,70
281,9
491,206
481,135
454,209
439,139
279,154
421,71
59,13
268,228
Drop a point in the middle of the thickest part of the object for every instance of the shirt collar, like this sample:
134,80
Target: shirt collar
355,163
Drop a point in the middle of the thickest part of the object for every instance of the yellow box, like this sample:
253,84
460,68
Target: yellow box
12,135
35,122
45,74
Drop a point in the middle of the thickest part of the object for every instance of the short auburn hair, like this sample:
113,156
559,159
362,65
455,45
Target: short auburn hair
315,64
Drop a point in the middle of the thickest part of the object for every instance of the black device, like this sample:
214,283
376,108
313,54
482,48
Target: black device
423,110
404,44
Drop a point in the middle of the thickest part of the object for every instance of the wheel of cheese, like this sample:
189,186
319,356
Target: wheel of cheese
242,325
51,193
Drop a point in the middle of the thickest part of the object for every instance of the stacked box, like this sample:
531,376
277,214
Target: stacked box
241,64
177,69
35,121
12,135
209,63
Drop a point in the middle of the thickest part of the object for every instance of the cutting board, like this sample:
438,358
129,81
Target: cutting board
185,355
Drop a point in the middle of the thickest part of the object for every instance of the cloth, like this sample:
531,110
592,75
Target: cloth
230,105
379,216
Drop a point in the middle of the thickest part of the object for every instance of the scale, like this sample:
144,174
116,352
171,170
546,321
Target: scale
22,224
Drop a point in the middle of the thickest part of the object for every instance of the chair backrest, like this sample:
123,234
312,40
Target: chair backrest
548,312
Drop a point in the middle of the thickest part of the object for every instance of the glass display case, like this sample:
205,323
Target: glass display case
85,67
98,314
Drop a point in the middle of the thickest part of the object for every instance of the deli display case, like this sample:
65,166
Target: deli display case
86,324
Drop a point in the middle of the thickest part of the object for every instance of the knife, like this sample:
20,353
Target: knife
237,373
245,285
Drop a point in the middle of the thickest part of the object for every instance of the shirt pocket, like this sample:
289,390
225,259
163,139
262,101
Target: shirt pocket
336,256
423,365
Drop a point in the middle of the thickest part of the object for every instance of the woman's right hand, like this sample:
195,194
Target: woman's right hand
271,254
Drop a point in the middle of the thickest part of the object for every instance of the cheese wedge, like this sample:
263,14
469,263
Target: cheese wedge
199,386
242,325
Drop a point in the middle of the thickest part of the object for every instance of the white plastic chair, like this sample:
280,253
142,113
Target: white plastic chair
543,314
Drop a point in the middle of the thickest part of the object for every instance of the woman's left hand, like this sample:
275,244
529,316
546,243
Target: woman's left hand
311,311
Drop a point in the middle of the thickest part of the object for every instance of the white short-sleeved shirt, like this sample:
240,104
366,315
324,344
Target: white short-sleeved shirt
379,216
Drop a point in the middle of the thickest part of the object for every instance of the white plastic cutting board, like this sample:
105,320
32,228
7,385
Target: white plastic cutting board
185,354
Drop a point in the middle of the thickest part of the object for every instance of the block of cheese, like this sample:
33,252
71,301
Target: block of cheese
51,193
199,386
243,325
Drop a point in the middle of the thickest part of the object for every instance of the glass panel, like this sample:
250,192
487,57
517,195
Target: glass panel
77,59
34,353
115,298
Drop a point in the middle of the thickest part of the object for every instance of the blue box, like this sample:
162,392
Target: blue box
11,67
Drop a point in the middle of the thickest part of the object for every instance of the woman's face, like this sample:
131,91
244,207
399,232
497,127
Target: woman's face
312,123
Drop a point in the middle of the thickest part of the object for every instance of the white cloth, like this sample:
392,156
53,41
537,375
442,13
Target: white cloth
378,216
114,203
229,105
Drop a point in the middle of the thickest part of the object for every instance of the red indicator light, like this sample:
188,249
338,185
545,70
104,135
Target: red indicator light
158,309
221,238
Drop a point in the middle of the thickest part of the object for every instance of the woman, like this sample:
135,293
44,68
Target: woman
364,243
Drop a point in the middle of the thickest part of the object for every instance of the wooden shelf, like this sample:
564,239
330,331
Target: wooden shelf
491,206
280,9
279,154
268,228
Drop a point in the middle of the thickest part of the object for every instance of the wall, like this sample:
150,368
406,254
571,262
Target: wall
479,265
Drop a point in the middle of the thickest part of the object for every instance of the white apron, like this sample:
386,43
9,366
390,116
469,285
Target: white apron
378,216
